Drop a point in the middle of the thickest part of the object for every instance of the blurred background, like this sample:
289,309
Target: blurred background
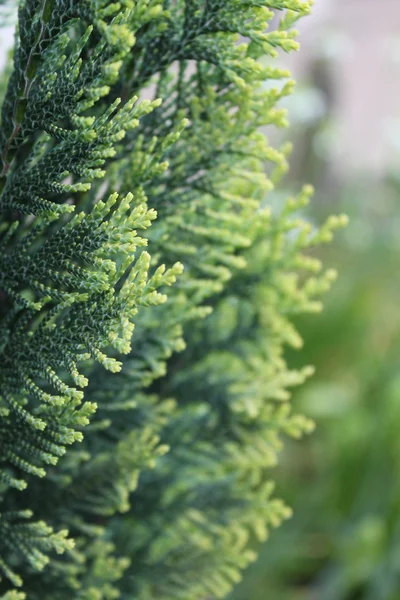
343,482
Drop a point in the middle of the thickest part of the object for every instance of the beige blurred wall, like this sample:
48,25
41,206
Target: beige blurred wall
6,41
359,40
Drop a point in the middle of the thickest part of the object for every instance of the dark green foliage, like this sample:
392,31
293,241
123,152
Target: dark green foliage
200,426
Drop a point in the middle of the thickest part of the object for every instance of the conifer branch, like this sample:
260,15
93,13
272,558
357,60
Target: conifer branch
171,480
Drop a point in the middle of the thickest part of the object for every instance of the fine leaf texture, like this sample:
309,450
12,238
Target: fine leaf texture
128,125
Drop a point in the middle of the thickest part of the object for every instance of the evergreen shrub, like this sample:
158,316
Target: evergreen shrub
147,292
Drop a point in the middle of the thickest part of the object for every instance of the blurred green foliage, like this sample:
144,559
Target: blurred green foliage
343,482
